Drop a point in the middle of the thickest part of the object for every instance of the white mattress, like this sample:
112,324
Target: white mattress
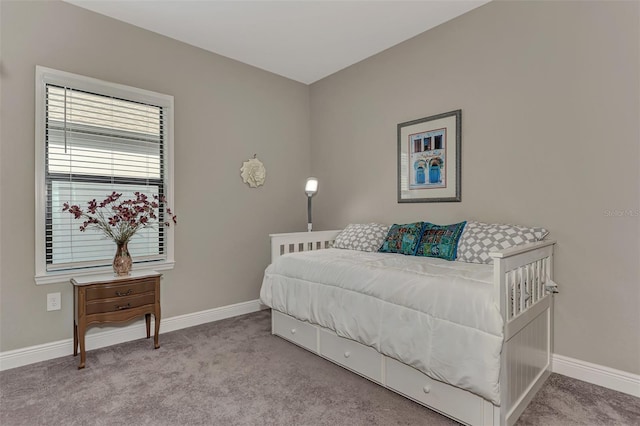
435,315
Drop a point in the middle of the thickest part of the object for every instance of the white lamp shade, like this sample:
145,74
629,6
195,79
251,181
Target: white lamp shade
311,187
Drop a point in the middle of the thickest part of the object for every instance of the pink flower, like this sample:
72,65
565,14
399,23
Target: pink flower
120,221
75,211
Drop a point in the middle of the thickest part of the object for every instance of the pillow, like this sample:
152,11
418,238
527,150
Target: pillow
363,237
479,239
402,239
440,240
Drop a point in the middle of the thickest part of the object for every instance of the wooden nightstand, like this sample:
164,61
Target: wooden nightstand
106,298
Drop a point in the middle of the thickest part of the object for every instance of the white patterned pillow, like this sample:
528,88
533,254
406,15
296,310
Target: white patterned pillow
363,237
479,239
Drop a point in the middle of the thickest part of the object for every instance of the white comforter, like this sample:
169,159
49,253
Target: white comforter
435,315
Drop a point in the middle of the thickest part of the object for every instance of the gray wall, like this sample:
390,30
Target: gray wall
550,100
549,93
225,112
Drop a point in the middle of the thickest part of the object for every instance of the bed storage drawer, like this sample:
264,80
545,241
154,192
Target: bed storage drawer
353,355
456,402
299,332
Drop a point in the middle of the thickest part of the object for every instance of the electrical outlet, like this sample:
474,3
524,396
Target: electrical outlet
53,302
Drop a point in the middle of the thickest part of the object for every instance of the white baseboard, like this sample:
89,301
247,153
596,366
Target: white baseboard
33,354
618,380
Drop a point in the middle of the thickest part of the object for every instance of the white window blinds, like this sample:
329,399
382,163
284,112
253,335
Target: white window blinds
94,145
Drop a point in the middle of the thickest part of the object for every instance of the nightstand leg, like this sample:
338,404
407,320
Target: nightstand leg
82,328
157,330
75,339
147,318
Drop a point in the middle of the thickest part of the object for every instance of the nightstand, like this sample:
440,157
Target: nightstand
99,299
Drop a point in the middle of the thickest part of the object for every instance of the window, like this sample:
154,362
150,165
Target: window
93,138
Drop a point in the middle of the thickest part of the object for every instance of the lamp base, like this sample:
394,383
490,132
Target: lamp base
309,227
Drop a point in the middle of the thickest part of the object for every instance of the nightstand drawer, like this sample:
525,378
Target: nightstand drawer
120,290
120,304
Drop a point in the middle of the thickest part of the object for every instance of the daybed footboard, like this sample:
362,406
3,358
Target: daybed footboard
522,275
521,278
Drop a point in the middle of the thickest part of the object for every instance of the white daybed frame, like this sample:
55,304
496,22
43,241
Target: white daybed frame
521,277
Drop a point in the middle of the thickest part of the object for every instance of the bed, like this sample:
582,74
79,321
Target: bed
473,342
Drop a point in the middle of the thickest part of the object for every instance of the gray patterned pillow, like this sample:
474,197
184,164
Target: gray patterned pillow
479,239
363,237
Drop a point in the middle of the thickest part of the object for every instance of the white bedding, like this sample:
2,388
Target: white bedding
435,315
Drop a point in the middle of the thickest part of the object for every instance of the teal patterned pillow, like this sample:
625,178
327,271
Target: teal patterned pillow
440,240
402,239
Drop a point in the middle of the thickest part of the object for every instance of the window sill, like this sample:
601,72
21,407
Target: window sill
62,276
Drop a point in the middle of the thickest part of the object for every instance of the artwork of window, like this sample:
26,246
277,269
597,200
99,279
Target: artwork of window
429,163
427,159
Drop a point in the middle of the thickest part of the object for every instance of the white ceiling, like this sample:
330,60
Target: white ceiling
303,40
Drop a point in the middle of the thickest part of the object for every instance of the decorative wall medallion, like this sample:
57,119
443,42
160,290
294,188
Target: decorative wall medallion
253,172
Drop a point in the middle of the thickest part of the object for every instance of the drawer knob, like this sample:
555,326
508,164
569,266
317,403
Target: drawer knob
293,331
347,354
120,294
426,389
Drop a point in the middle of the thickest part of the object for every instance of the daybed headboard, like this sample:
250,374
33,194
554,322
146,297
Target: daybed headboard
300,241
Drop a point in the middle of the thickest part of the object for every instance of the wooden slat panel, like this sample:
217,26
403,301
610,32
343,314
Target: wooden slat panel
529,357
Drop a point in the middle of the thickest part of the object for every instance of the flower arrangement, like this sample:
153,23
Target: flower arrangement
120,221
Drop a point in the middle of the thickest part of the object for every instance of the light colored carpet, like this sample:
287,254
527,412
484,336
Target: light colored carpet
234,372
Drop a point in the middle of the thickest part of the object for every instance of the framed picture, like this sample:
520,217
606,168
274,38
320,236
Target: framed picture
429,159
